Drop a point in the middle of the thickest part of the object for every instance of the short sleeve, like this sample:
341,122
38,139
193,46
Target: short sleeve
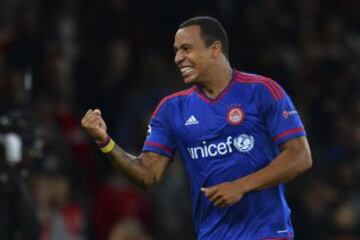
281,117
159,137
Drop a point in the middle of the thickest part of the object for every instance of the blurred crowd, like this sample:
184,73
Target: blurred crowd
58,58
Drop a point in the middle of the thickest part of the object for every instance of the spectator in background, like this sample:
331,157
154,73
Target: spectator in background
117,200
18,218
60,216
128,229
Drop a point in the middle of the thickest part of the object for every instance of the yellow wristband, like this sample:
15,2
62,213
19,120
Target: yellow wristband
108,147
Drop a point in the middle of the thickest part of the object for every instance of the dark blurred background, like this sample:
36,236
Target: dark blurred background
58,58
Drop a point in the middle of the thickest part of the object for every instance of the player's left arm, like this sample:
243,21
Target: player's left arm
294,159
288,133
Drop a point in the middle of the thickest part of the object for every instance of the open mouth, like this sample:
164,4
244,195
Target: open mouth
186,70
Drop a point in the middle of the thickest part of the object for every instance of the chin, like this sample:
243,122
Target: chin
188,81
191,80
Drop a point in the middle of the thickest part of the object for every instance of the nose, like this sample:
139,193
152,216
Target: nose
179,57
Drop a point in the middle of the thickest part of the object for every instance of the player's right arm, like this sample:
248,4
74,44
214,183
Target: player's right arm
144,170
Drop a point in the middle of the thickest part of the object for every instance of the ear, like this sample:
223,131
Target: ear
216,49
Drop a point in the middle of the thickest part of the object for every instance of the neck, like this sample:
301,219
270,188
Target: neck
217,81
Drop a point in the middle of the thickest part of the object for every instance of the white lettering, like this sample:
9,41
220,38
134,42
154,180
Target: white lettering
222,148
191,152
243,143
205,149
229,142
196,152
212,154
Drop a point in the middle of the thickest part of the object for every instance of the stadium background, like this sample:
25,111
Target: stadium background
59,58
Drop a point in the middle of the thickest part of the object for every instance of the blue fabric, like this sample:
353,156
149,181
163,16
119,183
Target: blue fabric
223,140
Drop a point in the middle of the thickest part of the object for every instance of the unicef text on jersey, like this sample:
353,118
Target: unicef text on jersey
242,143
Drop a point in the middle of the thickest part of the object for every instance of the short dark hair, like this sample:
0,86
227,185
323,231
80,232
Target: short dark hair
211,31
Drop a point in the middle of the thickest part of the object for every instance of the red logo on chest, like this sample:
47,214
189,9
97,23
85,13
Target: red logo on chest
235,116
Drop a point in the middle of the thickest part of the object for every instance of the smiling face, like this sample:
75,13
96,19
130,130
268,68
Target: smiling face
191,54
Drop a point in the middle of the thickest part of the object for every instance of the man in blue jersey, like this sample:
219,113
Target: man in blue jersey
239,136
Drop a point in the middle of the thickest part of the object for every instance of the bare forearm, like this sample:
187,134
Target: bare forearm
132,167
141,174
281,170
290,163
286,166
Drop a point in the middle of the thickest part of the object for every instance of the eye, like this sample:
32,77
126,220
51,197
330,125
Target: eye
186,48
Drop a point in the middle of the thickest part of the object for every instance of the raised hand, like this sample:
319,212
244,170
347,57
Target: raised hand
95,125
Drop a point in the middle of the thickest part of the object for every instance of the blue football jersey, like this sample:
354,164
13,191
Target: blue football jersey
224,139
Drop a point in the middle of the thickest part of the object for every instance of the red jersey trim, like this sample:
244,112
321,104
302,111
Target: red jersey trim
177,94
159,145
270,84
288,132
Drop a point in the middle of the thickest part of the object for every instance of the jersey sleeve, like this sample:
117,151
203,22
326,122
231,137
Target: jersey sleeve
159,137
281,117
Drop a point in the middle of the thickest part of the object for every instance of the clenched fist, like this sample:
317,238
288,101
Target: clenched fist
95,125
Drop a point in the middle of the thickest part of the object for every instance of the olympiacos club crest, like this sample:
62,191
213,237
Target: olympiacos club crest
235,116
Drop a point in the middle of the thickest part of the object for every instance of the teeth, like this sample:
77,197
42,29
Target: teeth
186,69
